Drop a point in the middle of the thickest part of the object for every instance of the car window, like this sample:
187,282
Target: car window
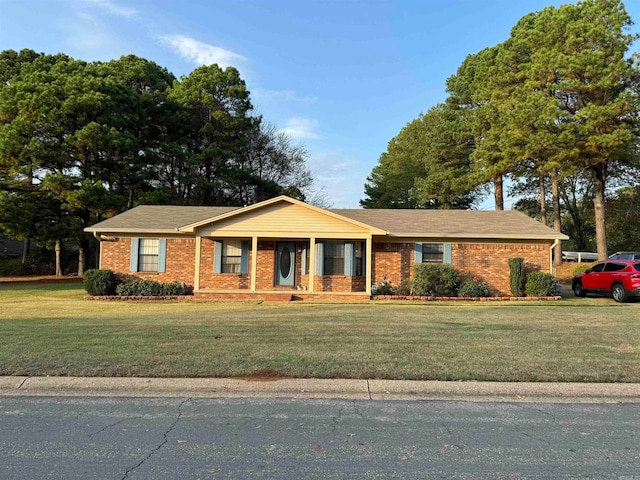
636,266
597,268
614,267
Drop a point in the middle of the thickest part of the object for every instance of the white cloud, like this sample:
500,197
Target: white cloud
340,176
113,8
201,53
301,128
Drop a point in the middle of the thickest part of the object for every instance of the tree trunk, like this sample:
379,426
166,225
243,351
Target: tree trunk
58,250
81,259
557,220
25,250
543,201
498,194
598,205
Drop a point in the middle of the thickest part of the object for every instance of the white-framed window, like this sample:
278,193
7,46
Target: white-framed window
148,251
231,256
432,253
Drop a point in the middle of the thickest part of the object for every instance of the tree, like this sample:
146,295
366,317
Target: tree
425,166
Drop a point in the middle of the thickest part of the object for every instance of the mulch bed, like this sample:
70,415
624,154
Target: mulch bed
42,279
462,299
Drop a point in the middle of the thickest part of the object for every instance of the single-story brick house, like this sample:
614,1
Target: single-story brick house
283,245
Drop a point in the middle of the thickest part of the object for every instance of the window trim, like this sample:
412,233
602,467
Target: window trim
134,261
218,256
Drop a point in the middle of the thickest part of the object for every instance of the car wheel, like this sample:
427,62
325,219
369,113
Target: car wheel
619,293
579,290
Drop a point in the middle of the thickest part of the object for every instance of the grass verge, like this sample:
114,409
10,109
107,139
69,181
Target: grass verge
50,330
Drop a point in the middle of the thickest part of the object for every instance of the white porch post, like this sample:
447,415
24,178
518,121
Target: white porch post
312,262
196,276
368,270
254,262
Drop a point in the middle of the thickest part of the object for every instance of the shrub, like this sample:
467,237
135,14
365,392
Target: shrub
540,284
100,282
174,288
383,288
516,276
144,288
435,280
403,289
581,267
13,267
473,288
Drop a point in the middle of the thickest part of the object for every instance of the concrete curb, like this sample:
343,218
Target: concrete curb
322,388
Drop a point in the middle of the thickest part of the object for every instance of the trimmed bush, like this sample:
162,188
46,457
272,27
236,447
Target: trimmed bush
383,288
473,288
540,284
581,267
432,279
516,276
100,282
140,288
174,288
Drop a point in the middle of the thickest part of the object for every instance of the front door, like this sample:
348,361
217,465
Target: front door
285,263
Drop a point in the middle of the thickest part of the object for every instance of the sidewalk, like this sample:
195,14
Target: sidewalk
322,388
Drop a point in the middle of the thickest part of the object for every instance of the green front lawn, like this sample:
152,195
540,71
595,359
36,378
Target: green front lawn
50,330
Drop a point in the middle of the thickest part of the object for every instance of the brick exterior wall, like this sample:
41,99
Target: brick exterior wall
180,266
226,281
393,261
490,261
486,261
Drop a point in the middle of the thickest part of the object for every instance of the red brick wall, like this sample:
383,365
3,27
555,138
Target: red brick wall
490,261
180,266
486,261
393,262
226,281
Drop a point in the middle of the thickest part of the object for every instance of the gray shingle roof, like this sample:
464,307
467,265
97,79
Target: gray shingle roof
157,218
450,223
406,223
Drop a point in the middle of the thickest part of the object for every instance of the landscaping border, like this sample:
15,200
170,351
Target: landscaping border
120,298
462,299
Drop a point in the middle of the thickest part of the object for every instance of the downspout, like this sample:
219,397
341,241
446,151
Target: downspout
553,245
99,238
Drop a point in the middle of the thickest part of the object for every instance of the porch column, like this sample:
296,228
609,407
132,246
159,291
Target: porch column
368,266
312,262
196,276
254,262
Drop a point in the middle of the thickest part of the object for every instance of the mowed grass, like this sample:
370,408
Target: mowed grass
51,330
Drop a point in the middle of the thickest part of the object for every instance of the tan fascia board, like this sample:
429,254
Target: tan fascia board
293,201
480,236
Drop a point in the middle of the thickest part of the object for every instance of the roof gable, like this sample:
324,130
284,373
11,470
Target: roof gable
281,215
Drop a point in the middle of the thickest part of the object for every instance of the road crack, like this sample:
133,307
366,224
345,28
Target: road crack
369,389
165,439
122,420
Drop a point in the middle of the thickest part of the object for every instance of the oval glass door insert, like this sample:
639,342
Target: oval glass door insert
285,262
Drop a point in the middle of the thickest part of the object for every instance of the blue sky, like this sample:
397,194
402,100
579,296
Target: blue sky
341,77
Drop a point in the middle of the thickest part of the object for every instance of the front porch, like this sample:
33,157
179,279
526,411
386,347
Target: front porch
302,268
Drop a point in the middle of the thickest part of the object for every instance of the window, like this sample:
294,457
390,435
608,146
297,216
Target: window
148,250
333,258
359,265
342,258
231,256
614,267
432,253
597,268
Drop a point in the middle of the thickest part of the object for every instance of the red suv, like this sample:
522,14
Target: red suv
618,278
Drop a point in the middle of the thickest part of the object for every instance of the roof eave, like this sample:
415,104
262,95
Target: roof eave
132,230
480,236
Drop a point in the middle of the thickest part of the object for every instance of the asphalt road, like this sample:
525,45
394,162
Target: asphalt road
237,438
